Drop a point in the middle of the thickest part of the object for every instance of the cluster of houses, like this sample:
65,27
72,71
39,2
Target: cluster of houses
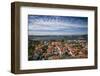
58,49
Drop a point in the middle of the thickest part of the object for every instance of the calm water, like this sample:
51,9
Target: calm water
70,37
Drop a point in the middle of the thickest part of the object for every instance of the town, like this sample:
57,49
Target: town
58,49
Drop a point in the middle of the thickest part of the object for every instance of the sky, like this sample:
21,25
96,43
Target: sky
57,25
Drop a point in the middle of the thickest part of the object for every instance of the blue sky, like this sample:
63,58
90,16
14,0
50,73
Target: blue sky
57,25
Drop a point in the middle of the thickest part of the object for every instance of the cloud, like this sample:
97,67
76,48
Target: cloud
55,33
57,26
